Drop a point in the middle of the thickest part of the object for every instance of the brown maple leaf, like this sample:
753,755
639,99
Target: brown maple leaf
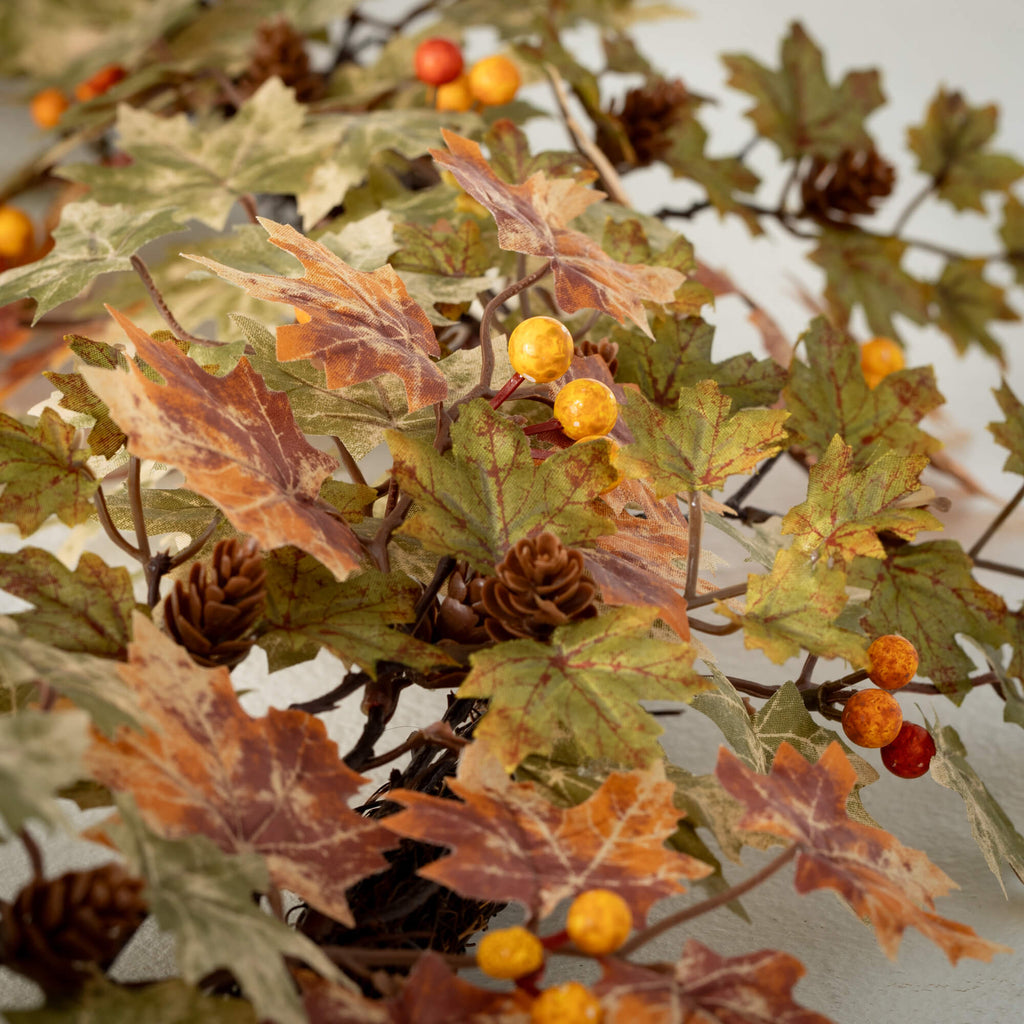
275,784
236,442
362,323
884,881
531,219
510,843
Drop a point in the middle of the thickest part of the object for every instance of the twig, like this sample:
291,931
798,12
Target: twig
901,220
350,682
35,855
109,528
486,350
996,523
712,596
748,486
722,629
695,524
378,547
355,474
751,688
163,309
794,172
1007,570
197,545
803,681
248,203
373,728
135,503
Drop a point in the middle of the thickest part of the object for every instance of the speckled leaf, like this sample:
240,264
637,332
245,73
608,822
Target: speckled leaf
966,303
274,785
1010,432
237,444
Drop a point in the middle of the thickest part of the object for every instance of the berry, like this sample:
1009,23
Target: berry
540,349
509,953
97,84
437,61
872,718
570,1003
910,754
892,661
494,80
47,106
585,406
16,232
878,358
454,95
599,921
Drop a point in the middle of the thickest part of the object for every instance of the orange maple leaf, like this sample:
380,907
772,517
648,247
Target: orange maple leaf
275,785
362,323
237,444
884,881
531,218
510,843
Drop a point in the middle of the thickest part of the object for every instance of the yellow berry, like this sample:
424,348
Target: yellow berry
878,358
454,95
47,106
16,232
510,953
570,1003
494,80
872,718
540,349
892,661
599,921
584,407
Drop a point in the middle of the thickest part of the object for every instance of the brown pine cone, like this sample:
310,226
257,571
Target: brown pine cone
850,185
539,584
280,52
649,116
212,615
56,930
608,350
460,618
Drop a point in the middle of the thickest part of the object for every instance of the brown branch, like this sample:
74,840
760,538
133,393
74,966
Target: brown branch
197,545
712,596
163,309
996,523
355,474
248,203
110,529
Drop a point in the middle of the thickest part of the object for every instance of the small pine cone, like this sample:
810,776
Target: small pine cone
539,584
608,350
649,116
280,52
850,185
212,615
57,929
460,617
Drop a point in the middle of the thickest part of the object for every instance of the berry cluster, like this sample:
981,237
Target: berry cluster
490,82
48,105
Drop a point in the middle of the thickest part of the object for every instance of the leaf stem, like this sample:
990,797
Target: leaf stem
722,594
486,349
748,486
901,220
695,522
163,309
996,523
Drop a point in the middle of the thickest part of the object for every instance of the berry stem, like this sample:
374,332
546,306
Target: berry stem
995,524
163,309
486,349
542,428
507,389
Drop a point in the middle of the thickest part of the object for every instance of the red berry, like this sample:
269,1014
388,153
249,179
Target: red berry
437,61
100,82
910,754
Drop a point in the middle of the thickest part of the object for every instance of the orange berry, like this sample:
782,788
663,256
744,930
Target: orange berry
570,1003
437,61
509,953
599,921
878,358
540,348
494,80
98,83
16,232
47,106
872,718
892,661
586,406
454,95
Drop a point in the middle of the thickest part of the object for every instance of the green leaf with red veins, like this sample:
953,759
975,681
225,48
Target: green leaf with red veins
846,508
513,162
966,303
698,445
441,249
926,593
479,499
1010,432
584,684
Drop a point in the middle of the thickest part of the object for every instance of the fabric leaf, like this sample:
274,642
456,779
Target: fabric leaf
1010,432
967,303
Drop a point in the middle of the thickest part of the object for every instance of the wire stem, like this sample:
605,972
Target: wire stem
696,524
486,348
996,523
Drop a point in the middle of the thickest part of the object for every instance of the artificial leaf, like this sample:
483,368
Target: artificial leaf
798,108
926,593
890,885
827,395
307,608
584,684
952,147
531,218
43,473
442,249
795,609
235,441
170,510
478,500
274,785
998,840
967,302
846,508
511,159
699,444
508,842
708,988
1012,234
361,324
87,609
1010,432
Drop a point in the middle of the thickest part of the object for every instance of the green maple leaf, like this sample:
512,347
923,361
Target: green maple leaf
584,684
798,108
925,592
1012,234
952,147
478,500
864,270
1010,432
701,443
846,508
827,395
43,473
509,149
91,239
966,302
442,249
795,609
307,609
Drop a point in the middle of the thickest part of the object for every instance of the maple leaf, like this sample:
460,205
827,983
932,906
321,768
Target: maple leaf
827,395
511,159
846,508
531,219
952,147
706,987
362,324
584,683
926,593
1010,432
1012,234
797,108
478,500
235,441
966,302
890,885
508,842
442,249
699,444
274,785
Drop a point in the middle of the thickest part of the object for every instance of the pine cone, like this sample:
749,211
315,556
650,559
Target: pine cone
849,185
57,929
539,584
213,614
649,116
608,350
280,52
460,618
